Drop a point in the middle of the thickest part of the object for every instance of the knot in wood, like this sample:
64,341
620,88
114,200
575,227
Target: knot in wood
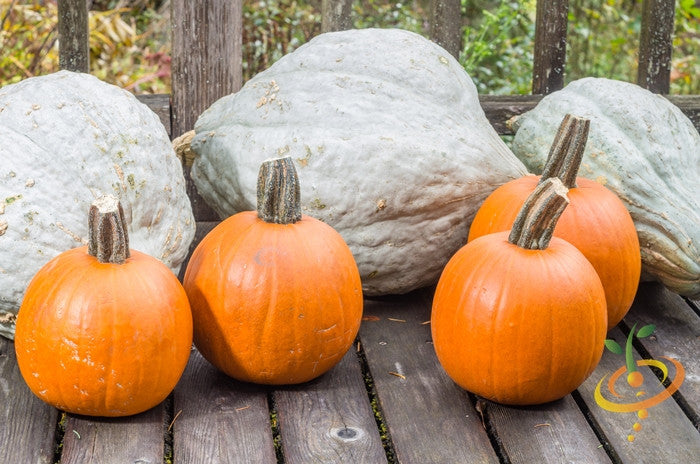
347,433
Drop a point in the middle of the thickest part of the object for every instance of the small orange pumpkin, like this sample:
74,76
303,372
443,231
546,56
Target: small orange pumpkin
276,295
103,330
596,221
520,319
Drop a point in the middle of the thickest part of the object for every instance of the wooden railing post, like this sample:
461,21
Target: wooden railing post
207,56
654,71
206,65
73,35
335,15
446,25
550,46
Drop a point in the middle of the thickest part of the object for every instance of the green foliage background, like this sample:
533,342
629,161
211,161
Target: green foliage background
130,39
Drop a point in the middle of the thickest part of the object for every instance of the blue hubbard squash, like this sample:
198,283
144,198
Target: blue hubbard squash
645,150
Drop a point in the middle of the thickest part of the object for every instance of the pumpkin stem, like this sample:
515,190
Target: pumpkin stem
534,226
278,192
566,153
108,240
183,148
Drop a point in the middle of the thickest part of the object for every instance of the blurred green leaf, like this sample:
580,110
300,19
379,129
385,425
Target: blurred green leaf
646,331
130,40
613,346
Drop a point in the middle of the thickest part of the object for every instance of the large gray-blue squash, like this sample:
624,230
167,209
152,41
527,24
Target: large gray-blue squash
391,145
68,138
645,150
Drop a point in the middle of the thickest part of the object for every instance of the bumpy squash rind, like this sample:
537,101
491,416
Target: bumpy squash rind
391,145
645,150
68,138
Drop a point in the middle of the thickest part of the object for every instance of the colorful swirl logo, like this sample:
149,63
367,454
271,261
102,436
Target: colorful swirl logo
635,379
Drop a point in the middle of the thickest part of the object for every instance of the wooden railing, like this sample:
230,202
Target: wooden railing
207,57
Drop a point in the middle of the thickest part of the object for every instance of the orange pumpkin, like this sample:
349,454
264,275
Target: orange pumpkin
276,295
596,221
520,319
103,330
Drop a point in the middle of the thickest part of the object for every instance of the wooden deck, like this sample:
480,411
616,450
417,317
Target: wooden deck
387,401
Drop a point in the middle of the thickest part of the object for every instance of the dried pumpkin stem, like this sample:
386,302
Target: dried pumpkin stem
566,153
534,226
278,192
108,240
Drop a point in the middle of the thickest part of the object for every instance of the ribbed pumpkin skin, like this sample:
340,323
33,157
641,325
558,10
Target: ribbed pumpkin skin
103,339
518,326
273,303
596,222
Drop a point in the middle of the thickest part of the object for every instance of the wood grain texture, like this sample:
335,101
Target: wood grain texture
677,335
655,46
666,435
446,25
137,439
335,15
27,425
207,56
430,419
206,65
73,35
329,420
689,104
219,420
550,46
553,432
499,109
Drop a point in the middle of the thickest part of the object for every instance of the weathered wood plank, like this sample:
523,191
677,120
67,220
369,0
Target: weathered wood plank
655,47
666,435
206,65
335,15
160,105
207,56
677,335
219,420
690,105
135,439
73,35
446,25
498,108
27,425
552,432
329,419
550,46
429,418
